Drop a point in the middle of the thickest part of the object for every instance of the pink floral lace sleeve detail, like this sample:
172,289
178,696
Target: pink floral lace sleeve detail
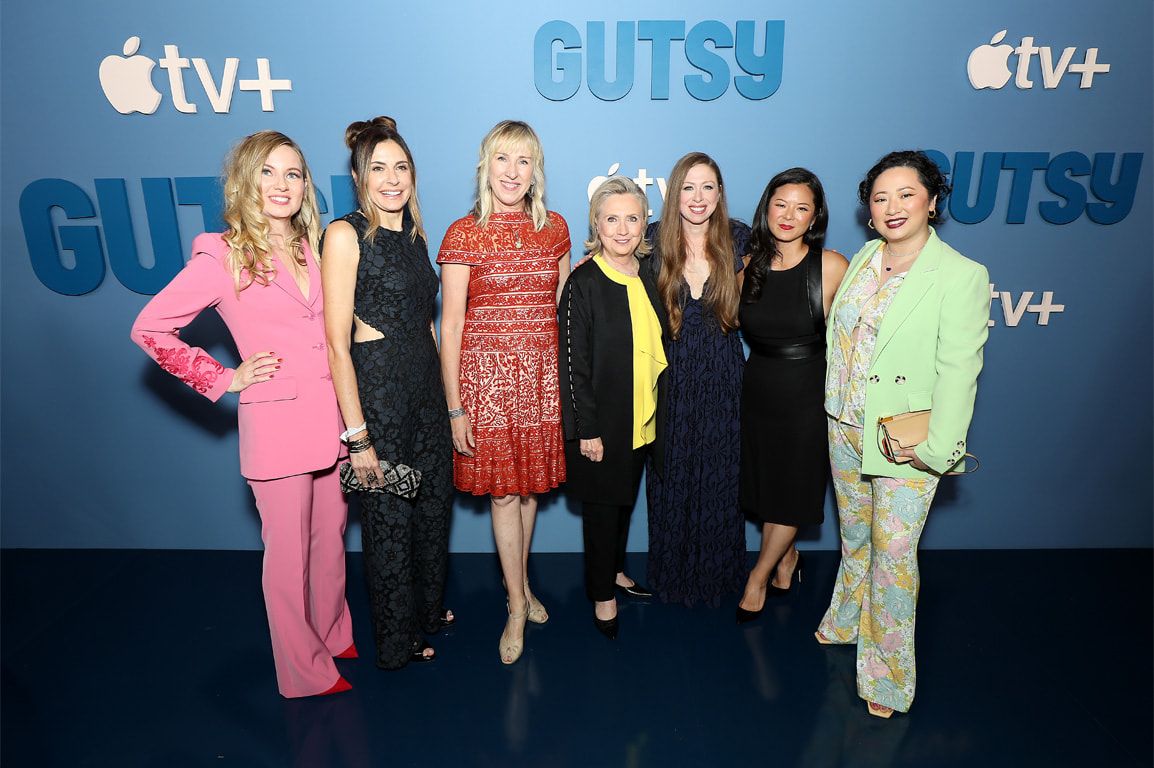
198,371
200,285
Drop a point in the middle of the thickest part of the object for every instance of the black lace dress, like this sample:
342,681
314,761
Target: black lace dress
399,379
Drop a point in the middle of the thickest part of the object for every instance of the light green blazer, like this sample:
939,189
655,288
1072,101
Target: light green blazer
928,354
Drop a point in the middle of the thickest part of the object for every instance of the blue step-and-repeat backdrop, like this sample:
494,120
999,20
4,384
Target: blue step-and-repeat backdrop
115,118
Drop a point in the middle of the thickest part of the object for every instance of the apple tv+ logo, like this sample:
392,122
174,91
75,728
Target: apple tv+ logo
127,81
988,65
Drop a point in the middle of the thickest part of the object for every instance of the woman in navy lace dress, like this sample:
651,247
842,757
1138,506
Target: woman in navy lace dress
696,530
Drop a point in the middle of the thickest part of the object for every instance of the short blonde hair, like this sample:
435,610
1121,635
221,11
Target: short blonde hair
615,185
504,137
247,234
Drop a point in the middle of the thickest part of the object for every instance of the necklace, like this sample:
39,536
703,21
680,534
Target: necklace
887,252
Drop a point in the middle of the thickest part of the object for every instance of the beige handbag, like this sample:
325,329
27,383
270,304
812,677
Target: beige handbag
907,430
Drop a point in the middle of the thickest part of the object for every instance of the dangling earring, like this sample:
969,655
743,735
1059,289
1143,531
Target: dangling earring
870,224
933,214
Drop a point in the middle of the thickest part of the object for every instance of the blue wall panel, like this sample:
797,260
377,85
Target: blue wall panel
97,208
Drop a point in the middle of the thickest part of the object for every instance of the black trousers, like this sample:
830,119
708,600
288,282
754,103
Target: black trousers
605,528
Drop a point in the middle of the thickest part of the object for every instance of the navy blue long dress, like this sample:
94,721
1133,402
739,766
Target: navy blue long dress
696,529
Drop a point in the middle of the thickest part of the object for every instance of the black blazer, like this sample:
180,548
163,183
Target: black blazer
595,331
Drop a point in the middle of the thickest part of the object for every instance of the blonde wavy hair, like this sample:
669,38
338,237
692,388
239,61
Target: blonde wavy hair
247,232
508,136
362,138
616,185
721,295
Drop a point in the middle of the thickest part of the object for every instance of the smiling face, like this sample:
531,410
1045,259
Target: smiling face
900,206
282,184
790,213
620,223
510,176
699,194
389,183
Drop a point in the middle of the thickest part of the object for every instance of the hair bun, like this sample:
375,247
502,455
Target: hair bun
355,130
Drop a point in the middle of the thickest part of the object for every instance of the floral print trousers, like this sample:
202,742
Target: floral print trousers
876,590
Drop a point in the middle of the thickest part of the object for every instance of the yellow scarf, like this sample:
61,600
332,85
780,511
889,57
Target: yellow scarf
648,353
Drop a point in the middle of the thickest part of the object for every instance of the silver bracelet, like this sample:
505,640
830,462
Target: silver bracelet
456,412
352,431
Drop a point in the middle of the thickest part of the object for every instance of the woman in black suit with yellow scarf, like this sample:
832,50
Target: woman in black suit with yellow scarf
611,321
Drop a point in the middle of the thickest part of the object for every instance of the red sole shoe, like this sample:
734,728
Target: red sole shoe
340,686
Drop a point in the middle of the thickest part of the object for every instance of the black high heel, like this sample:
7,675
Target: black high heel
744,616
635,590
418,653
607,627
776,591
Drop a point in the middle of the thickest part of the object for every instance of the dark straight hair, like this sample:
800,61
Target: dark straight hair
763,245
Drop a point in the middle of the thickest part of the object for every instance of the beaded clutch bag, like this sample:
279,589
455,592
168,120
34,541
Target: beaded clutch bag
400,479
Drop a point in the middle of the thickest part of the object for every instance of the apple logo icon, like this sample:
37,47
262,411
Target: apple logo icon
597,181
127,80
987,64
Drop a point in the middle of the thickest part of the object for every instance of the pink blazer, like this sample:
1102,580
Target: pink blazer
290,424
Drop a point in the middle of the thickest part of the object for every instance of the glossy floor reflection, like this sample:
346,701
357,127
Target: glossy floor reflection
134,658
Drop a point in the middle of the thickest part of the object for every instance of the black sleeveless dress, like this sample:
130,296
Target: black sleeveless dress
784,450
405,541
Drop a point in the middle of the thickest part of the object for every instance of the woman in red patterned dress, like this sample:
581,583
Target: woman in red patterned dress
502,268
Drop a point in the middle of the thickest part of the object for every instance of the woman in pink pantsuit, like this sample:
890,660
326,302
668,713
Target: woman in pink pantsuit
261,276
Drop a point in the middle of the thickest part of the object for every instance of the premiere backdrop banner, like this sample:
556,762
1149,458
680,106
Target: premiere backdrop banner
116,117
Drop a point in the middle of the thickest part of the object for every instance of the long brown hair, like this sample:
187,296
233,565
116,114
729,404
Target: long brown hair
362,138
721,295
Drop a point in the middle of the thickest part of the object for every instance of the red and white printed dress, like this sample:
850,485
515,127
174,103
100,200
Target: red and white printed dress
509,353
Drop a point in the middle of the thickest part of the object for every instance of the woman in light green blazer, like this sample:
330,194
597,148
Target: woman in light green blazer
906,333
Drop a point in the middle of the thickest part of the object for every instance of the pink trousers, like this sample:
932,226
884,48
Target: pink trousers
303,525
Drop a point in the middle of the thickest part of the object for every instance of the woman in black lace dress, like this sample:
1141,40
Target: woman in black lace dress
380,298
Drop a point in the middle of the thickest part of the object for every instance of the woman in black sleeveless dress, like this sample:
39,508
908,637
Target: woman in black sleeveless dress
380,295
788,286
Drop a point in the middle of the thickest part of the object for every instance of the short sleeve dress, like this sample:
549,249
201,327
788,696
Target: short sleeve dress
508,363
